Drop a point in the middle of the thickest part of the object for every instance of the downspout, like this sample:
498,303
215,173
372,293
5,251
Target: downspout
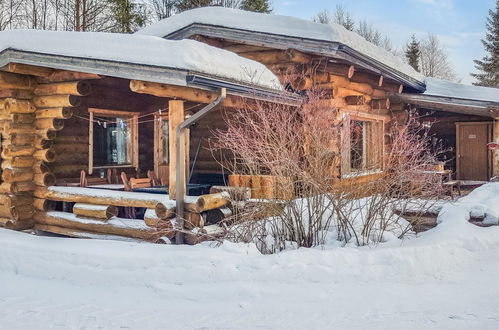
180,162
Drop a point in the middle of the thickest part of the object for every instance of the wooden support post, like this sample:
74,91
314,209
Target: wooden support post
175,118
495,153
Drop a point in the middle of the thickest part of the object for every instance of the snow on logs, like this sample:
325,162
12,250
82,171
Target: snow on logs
115,226
104,212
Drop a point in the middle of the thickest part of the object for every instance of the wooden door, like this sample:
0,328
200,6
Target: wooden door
473,155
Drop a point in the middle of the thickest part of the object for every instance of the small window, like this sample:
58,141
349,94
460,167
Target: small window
113,137
362,146
161,134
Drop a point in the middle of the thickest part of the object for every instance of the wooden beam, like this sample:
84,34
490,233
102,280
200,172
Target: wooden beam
241,48
176,116
27,69
344,70
366,78
63,75
183,93
16,81
78,88
356,99
275,56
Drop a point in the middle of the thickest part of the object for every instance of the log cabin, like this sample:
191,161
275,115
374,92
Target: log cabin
79,109
125,105
365,81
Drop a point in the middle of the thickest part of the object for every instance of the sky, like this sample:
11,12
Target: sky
459,24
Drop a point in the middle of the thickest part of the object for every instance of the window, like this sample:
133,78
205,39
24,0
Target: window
113,137
161,134
362,144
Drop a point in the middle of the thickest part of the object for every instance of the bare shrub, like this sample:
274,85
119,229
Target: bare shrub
302,148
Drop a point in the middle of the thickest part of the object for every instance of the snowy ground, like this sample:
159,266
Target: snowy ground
446,278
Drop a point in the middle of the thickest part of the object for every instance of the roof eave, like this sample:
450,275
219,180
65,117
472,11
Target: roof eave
150,73
318,47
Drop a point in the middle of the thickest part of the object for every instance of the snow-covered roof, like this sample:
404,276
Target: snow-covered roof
185,55
279,25
444,88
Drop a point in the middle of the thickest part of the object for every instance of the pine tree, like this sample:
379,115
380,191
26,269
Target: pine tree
413,53
127,16
183,5
489,64
260,6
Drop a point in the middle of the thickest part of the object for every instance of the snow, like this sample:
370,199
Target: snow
99,193
444,88
188,55
445,278
278,25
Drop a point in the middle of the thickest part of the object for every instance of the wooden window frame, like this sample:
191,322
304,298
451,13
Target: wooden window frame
347,118
135,136
158,143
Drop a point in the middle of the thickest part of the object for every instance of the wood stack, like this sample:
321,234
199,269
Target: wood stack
264,186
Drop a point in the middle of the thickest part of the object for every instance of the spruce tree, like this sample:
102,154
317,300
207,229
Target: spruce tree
260,6
489,64
127,16
183,5
413,52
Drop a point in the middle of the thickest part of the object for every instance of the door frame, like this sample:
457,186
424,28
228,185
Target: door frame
489,153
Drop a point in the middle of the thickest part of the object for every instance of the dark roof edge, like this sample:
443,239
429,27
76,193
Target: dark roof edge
408,97
144,72
319,47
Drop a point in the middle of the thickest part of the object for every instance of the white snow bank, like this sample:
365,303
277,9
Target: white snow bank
431,282
279,25
444,88
187,55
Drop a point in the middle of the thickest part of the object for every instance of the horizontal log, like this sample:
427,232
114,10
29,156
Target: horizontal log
77,233
23,118
20,224
19,139
41,143
186,93
60,113
277,56
208,202
16,93
49,123
380,104
47,155
17,162
39,166
17,187
57,101
344,70
193,220
367,78
19,106
103,197
44,179
215,216
104,212
11,175
356,99
78,88
63,75
28,69
15,151
45,205
17,81
9,200
46,134
116,226
235,192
